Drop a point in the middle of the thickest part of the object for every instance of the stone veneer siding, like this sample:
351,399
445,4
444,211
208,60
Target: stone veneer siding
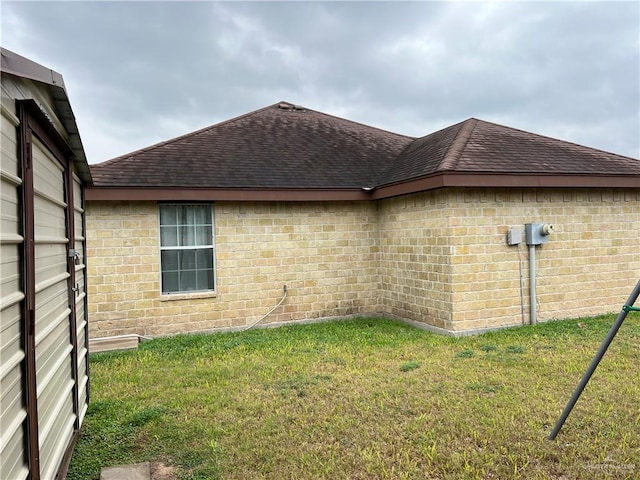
439,258
445,260
326,253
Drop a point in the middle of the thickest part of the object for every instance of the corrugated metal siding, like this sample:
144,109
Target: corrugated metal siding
13,461
53,337
43,373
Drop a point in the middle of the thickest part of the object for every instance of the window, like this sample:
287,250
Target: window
186,248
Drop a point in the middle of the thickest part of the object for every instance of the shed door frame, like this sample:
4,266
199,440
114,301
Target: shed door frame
33,123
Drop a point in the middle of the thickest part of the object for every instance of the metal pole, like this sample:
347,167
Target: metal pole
596,360
533,302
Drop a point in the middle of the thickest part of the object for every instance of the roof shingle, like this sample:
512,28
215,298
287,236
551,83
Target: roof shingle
283,146
274,147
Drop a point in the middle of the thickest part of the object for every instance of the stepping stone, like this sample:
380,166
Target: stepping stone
138,471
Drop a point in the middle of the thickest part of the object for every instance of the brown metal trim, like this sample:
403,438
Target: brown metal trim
71,288
427,183
480,180
86,260
29,286
41,126
23,67
202,194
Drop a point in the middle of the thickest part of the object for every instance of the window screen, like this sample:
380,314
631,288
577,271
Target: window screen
186,248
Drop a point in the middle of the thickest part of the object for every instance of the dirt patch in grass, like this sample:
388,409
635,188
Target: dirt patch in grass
160,471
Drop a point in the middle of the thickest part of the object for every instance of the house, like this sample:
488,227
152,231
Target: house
324,217
44,335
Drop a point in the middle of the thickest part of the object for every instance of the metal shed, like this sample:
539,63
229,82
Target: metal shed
44,371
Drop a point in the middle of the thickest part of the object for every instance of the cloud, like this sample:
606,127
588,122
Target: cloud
142,72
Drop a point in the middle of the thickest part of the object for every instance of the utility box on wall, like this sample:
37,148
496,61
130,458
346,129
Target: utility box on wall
537,233
514,236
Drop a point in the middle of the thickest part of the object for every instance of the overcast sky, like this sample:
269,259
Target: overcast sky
140,73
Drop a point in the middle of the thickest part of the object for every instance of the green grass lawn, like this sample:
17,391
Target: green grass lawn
369,399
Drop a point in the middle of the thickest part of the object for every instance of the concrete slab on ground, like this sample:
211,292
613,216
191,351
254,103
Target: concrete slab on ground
121,342
138,471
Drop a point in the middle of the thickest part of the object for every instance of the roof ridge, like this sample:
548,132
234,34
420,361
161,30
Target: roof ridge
451,158
383,173
182,137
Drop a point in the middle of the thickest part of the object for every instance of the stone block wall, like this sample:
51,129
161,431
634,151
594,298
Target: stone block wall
416,270
588,267
326,253
123,266
439,258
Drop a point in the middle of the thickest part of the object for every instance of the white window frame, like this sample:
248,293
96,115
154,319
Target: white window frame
210,246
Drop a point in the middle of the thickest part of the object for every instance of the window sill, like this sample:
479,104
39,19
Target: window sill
168,297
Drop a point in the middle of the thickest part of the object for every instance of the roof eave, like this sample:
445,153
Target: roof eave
68,120
223,194
431,182
501,180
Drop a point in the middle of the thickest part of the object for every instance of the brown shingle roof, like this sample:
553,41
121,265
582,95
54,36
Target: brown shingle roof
427,155
288,147
280,146
476,146
496,148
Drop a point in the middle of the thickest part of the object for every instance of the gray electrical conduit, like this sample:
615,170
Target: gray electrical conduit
144,337
268,313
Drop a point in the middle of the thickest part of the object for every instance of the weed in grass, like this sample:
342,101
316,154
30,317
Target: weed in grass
489,347
321,377
516,349
146,415
410,365
468,353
